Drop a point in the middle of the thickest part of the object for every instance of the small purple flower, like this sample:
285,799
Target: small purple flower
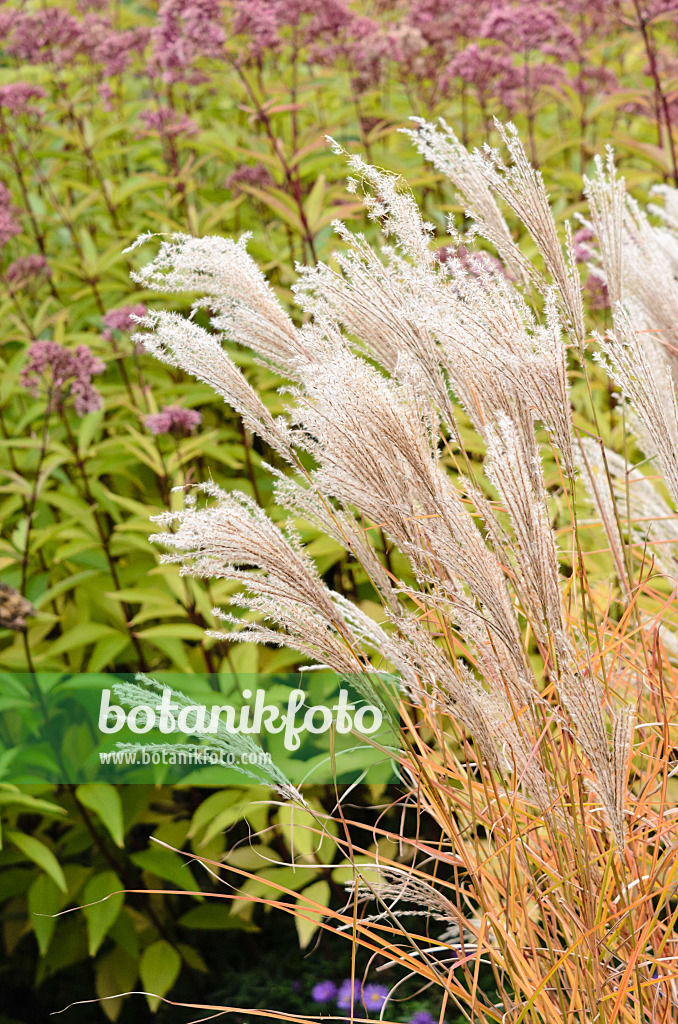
423,1017
597,293
167,122
25,269
172,419
374,996
582,251
9,227
323,992
16,97
121,319
248,174
59,373
348,994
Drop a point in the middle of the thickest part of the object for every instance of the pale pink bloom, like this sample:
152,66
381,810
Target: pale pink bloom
59,373
51,34
26,269
172,419
168,122
16,97
9,226
255,175
120,319
186,30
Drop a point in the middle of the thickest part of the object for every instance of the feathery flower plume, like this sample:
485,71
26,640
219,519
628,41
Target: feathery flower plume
399,346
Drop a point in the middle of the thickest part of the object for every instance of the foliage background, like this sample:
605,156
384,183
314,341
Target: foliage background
119,118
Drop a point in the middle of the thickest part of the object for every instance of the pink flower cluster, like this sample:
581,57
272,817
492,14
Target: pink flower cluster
120,319
529,26
55,36
172,419
50,35
442,24
167,122
16,97
9,226
488,70
26,269
186,30
59,373
583,251
248,174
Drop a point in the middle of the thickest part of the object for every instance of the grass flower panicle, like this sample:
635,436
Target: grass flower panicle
430,430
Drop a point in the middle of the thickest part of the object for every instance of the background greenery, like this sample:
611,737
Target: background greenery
141,122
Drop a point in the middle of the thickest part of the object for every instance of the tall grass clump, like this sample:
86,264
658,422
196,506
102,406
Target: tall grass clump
522,554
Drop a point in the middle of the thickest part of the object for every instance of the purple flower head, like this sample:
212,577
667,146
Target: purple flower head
423,1017
51,34
167,122
597,293
186,30
257,19
112,49
121,319
528,26
375,996
172,419
582,251
26,269
106,97
59,373
348,994
16,97
323,992
9,226
248,174
443,23
488,71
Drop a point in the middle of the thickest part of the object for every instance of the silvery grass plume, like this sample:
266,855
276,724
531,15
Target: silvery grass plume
224,739
488,617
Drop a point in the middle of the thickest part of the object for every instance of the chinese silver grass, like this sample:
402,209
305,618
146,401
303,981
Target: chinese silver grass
522,188
180,342
510,666
223,739
375,435
440,145
630,506
645,379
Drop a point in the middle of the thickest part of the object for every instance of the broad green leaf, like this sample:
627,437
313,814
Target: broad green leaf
44,900
214,916
159,968
40,854
104,800
307,920
100,913
165,864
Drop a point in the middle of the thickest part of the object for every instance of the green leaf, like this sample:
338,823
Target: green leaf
104,800
226,800
160,966
101,913
9,795
44,899
215,917
40,854
307,924
81,635
314,204
180,630
165,864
